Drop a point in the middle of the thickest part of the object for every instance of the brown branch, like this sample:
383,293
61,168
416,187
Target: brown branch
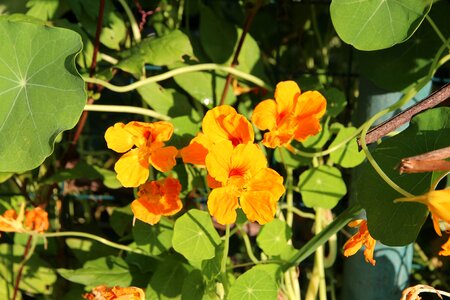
248,21
426,162
398,120
22,266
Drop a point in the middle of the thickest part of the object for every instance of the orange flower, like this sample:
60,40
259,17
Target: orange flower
133,167
292,115
362,237
10,221
445,249
246,182
438,203
36,220
156,199
115,293
221,123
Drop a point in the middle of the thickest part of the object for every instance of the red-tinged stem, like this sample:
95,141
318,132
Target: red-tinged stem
248,21
19,273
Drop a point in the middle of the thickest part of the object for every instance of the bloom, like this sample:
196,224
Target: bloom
221,123
132,167
115,293
438,203
362,237
246,183
35,220
156,199
445,249
10,221
292,115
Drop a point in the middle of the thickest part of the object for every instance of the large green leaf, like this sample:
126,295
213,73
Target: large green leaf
41,93
392,223
373,25
273,237
154,239
167,281
194,236
254,284
107,270
322,187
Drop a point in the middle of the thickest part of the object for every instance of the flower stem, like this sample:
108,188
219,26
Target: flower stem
133,24
248,246
223,268
175,72
126,109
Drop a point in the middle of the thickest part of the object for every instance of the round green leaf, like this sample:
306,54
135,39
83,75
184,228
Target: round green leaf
41,93
154,239
398,224
273,237
194,236
347,156
254,284
322,187
373,25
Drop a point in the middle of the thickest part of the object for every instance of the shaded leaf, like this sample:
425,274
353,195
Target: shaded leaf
154,239
167,281
347,156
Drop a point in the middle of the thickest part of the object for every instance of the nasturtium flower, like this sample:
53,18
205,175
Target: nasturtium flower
362,237
221,123
115,293
148,139
445,249
10,221
246,182
156,199
438,203
35,219
292,115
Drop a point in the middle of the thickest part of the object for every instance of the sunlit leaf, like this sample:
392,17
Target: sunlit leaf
372,25
347,156
41,91
273,237
254,284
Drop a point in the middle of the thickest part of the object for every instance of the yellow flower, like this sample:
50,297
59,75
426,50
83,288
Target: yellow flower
438,203
115,293
292,115
246,182
221,123
133,167
156,199
362,237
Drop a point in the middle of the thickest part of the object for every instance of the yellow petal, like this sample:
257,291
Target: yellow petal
258,206
119,139
286,94
212,122
131,170
273,139
265,115
269,180
247,159
163,159
222,204
439,204
238,129
218,161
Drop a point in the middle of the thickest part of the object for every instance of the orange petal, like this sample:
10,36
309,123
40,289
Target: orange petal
8,220
161,131
119,139
247,159
237,129
212,122
163,159
352,246
436,225
267,180
37,220
286,94
445,249
310,104
265,115
276,138
131,169
218,161
258,206
222,204
143,213
307,127
212,183
171,189
370,248
196,151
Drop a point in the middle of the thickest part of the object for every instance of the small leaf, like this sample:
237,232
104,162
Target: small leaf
373,25
322,187
42,93
154,239
42,9
194,236
336,101
347,156
273,237
108,270
254,284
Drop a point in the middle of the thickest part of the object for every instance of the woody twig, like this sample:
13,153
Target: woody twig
426,162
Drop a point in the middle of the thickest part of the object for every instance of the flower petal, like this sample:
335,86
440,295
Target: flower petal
267,180
307,127
163,159
170,190
310,104
161,131
265,115
222,204
238,129
445,248
131,169
142,212
278,138
218,161
258,206
286,94
196,151
247,159
36,219
212,122
119,139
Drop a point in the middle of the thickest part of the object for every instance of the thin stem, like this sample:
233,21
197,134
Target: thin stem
133,23
438,31
175,72
95,238
289,198
248,246
126,109
319,257
223,268
323,236
29,250
298,212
